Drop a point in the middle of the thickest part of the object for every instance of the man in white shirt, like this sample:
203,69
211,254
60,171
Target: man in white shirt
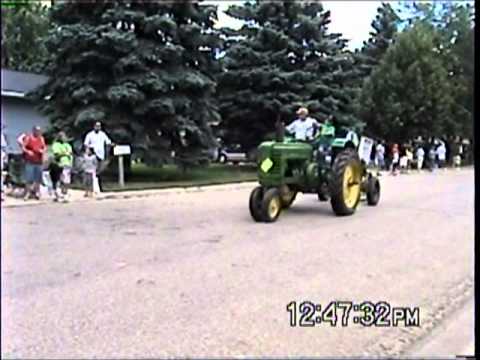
441,154
420,157
97,140
380,156
303,127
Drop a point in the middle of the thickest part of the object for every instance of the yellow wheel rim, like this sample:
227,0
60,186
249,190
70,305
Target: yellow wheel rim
274,207
351,186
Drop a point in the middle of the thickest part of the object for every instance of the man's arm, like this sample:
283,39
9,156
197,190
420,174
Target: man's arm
107,139
291,127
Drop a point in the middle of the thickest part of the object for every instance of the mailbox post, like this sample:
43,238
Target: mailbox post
120,151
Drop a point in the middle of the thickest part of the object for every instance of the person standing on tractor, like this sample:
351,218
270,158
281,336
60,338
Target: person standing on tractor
304,127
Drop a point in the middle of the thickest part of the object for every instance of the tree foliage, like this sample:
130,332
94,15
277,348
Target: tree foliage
283,57
142,68
24,27
424,83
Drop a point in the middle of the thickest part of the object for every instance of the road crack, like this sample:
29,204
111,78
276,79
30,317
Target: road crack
399,341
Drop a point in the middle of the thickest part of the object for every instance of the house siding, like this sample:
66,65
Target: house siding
19,116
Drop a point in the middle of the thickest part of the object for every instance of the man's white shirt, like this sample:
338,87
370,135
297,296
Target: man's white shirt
97,141
380,150
441,152
303,129
420,153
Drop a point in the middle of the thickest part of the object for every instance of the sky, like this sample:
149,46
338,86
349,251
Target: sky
351,18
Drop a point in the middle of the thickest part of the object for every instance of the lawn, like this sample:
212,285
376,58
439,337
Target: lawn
145,177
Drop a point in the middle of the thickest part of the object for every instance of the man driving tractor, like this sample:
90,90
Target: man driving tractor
304,127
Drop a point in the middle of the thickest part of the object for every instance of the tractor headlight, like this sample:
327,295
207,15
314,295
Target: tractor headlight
324,150
325,153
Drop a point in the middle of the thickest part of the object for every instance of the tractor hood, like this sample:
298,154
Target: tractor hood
272,153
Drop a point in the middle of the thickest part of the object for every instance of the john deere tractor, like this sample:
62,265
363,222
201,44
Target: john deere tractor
329,166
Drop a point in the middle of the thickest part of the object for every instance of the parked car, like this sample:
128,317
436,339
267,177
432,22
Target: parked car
233,154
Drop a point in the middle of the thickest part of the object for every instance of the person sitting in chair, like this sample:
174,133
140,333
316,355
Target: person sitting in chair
304,127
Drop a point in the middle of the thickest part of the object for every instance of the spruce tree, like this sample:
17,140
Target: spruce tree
384,29
282,58
143,68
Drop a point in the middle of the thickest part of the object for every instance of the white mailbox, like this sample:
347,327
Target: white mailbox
119,150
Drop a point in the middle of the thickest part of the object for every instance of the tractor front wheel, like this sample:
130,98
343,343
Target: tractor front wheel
345,183
271,205
255,203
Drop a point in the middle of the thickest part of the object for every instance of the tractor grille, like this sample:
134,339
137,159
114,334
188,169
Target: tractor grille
276,158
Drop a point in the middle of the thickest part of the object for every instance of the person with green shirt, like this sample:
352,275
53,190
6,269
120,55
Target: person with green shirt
61,166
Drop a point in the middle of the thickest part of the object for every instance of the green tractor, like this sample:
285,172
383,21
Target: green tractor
329,166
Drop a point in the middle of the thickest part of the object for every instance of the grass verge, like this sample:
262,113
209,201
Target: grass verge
143,177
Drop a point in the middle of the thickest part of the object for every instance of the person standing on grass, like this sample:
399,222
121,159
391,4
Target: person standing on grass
89,166
98,140
33,148
61,167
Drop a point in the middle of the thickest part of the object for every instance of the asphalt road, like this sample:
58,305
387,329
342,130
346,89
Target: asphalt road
192,275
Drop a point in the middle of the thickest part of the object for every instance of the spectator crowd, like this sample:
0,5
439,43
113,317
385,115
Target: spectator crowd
419,154
53,166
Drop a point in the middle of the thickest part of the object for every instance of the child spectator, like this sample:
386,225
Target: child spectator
89,168
395,159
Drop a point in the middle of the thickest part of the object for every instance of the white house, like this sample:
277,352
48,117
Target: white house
18,114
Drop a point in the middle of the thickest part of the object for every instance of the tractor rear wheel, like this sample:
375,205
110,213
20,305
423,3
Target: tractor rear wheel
345,182
373,191
271,205
255,203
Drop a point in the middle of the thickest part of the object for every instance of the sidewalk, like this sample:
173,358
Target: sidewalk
76,196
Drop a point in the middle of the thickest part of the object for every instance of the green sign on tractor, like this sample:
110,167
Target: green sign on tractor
329,166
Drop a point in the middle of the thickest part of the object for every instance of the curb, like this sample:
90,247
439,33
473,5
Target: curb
135,194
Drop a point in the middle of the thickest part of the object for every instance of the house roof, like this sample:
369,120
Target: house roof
18,84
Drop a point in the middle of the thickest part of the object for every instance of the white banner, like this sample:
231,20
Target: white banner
365,149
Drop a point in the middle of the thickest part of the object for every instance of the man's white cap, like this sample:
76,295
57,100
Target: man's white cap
302,111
